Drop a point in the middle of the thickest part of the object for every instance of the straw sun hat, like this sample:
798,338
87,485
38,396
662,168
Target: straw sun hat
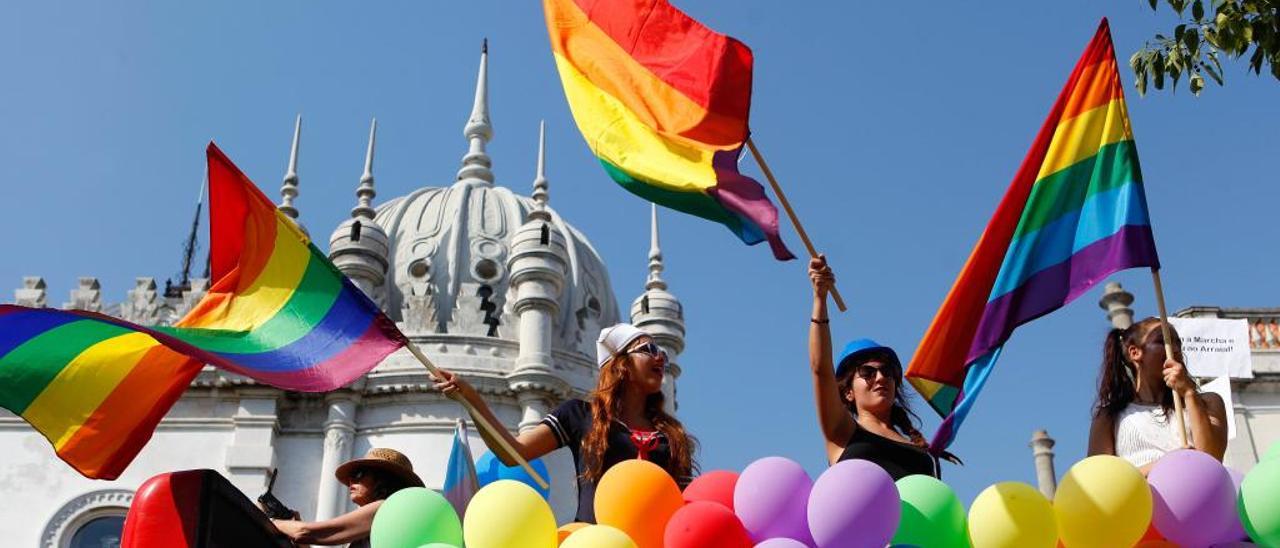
387,460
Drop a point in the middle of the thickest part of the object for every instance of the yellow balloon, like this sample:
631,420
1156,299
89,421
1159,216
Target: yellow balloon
568,529
638,497
1012,515
597,536
508,513
1103,501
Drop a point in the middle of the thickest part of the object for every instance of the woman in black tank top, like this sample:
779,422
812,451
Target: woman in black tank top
862,409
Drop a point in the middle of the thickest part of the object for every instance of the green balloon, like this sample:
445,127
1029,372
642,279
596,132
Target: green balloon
932,516
413,517
438,545
1258,504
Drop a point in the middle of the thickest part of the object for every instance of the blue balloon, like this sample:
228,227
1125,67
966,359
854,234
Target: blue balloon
489,469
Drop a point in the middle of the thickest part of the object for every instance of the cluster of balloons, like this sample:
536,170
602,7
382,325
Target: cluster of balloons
1188,499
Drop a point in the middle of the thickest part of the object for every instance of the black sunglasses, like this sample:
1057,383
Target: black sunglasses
868,372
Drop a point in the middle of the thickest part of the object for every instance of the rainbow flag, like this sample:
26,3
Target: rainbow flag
1074,214
278,312
663,102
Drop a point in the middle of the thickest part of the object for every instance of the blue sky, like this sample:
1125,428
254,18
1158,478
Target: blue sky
895,133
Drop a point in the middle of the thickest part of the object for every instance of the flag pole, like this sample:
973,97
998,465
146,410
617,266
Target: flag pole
481,421
1168,351
786,205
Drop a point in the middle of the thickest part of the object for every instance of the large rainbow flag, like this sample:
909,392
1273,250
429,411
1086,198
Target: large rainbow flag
277,312
663,102
1074,214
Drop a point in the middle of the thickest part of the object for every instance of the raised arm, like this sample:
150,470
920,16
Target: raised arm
1206,413
531,444
834,419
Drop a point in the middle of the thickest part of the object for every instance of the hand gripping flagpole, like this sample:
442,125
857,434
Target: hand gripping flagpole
493,431
804,237
1168,352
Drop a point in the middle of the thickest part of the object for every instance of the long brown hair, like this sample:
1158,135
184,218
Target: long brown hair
606,405
901,416
1117,385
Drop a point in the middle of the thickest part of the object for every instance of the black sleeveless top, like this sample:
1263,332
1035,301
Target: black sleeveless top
897,458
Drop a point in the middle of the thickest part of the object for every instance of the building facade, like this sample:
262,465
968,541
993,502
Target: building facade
487,282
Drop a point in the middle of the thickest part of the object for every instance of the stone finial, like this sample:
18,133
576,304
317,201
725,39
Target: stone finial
655,280
1042,449
478,131
1115,300
365,192
540,185
143,305
33,293
86,296
289,190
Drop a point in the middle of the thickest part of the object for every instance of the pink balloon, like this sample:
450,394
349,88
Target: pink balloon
1194,498
714,486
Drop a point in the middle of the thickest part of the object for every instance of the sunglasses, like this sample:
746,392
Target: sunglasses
868,372
649,349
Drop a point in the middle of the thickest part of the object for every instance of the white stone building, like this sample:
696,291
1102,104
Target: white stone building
485,281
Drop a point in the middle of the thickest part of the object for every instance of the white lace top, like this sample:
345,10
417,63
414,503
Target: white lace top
1144,433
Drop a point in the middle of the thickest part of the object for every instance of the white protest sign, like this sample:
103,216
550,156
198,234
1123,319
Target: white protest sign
1215,347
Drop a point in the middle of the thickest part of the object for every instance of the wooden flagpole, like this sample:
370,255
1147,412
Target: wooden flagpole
804,237
481,421
1168,352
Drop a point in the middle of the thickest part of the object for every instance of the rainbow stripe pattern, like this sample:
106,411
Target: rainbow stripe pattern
278,312
1075,213
663,102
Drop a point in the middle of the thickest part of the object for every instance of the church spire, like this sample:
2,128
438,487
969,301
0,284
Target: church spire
478,131
655,280
289,190
365,192
540,185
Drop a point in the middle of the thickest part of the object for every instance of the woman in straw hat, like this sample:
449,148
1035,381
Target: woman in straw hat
369,480
623,418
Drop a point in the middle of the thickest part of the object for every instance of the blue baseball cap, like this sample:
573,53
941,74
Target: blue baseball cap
860,349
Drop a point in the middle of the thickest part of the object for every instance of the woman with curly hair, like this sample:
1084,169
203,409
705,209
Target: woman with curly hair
622,419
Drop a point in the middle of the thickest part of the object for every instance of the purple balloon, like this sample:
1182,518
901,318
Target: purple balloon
1194,498
782,543
1237,530
854,504
769,499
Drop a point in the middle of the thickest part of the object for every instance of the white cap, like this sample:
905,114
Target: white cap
613,340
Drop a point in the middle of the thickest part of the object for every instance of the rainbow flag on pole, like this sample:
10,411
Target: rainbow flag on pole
278,312
1075,213
663,102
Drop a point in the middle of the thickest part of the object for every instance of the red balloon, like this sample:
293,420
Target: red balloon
715,486
705,524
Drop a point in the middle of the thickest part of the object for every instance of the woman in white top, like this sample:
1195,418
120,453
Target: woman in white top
1133,417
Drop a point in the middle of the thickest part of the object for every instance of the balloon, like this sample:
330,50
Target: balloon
1192,496
1012,515
568,529
412,517
932,516
768,499
714,486
1103,501
440,545
854,503
637,497
1237,528
489,469
508,513
782,542
1235,544
1258,504
598,536
705,524
1273,452
1157,544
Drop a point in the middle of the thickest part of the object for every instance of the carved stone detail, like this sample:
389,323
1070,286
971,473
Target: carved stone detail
86,296
32,293
82,509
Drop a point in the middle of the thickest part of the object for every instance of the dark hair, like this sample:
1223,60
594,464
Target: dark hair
900,416
1117,387
384,484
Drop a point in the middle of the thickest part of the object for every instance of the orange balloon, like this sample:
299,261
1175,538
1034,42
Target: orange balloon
638,497
567,529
